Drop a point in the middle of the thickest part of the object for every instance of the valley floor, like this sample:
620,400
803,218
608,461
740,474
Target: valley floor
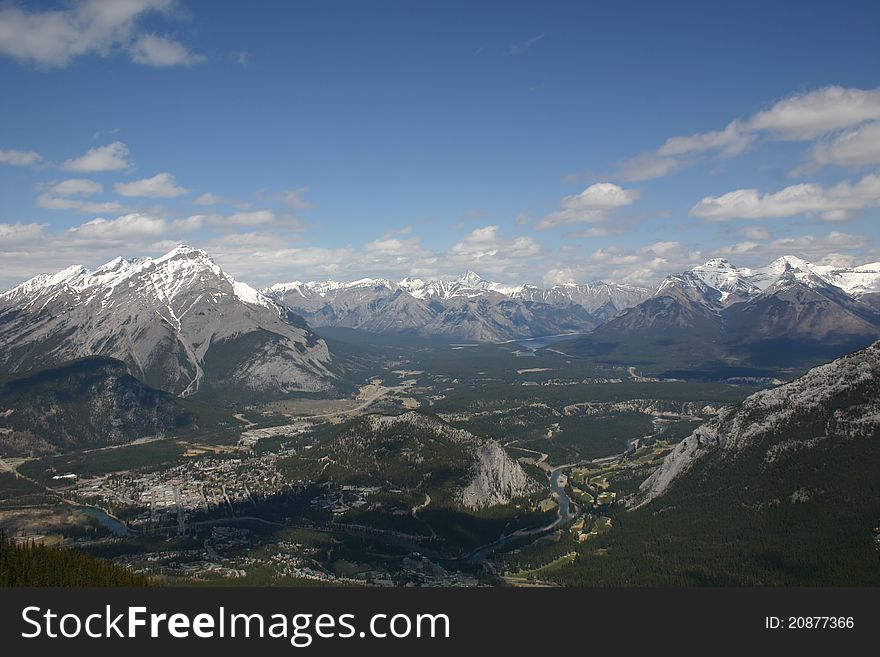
233,504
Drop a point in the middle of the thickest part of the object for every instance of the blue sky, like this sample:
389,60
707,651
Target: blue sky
536,141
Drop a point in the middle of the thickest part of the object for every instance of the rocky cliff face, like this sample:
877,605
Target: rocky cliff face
497,479
836,402
179,322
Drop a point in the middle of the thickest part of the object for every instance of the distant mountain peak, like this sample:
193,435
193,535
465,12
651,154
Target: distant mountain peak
184,250
718,263
793,261
471,279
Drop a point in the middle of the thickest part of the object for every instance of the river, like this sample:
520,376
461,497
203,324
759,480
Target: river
565,514
116,527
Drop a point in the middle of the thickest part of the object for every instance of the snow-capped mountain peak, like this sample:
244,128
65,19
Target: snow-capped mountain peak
472,280
165,277
161,316
741,283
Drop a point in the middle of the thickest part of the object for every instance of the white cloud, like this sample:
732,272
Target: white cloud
52,38
19,158
479,243
127,226
615,228
642,265
210,199
395,244
58,197
524,46
161,51
491,252
263,259
835,248
811,115
832,203
600,196
591,205
59,203
852,148
802,117
191,223
254,218
162,185
111,157
266,256
19,232
663,248
756,233
294,199
76,186
49,202
730,141
647,166
524,247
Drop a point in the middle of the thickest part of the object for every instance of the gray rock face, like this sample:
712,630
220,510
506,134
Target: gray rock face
836,401
179,322
497,479
468,307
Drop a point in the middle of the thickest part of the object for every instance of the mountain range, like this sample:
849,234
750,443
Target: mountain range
468,307
182,325
773,314
178,322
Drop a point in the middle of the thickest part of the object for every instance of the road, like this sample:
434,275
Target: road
377,395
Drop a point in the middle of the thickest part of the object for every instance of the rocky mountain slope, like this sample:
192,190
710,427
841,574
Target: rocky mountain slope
781,490
179,322
834,403
468,307
91,402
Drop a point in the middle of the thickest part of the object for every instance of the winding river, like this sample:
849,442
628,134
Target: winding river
566,513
